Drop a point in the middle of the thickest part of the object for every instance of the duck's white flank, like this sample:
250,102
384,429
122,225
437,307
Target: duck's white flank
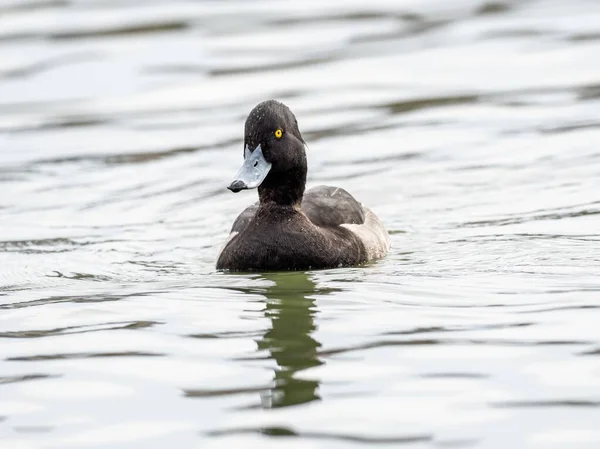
372,234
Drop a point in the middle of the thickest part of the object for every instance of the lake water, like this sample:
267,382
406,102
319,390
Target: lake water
471,128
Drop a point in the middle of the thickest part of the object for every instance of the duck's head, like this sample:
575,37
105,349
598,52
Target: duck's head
274,155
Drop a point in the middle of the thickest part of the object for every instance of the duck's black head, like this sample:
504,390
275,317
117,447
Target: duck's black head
274,156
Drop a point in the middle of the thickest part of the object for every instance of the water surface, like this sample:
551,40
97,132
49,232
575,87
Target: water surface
470,128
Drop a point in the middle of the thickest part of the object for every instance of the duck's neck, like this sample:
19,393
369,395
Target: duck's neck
284,189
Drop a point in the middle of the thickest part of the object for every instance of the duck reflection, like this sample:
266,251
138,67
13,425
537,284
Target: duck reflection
290,305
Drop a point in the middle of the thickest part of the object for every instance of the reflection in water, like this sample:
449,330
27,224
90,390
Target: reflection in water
290,305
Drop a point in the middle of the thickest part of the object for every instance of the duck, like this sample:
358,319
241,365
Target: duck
291,228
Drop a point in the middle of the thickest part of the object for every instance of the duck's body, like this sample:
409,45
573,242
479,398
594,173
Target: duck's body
289,229
330,229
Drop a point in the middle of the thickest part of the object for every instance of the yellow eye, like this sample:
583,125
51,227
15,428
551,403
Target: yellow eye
278,133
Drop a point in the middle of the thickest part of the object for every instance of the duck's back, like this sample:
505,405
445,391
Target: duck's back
330,207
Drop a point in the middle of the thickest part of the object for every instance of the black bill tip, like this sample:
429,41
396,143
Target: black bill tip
237,185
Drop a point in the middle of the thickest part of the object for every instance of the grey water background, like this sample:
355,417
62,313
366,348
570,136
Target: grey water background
471,128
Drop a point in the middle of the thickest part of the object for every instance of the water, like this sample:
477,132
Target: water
471,128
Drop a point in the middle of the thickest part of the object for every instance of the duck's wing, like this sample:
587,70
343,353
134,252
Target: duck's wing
328,206
244,218
239,225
